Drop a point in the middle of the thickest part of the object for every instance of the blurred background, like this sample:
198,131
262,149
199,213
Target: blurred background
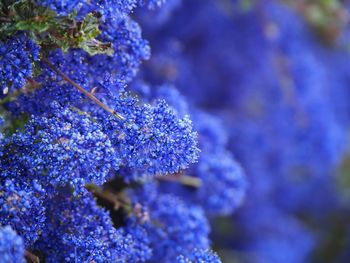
276,74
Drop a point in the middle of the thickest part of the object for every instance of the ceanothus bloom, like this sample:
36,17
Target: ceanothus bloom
11,246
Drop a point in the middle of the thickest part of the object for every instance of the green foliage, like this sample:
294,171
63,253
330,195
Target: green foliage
50,30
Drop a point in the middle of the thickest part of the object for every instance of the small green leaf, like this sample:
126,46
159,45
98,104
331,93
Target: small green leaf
34,26
94,47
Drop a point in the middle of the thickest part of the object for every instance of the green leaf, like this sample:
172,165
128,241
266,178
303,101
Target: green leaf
49,30
94,47
89,26
38,27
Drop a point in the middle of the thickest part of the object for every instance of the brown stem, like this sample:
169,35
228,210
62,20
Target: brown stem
81,89
108,197
118,201
33,83
30,257
182,179
115,199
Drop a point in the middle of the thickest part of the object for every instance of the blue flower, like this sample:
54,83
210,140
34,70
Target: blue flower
151,139
174,227
61,147
22,207
77,229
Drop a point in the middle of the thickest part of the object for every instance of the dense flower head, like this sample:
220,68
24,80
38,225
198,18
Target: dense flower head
174,227
216,167
22,207
130,49
81,231
199,256
215,171
219,171
51,88
17,55
139,249
177,228
63,147
151,139
11,246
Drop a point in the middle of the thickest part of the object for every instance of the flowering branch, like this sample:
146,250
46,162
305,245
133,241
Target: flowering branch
81,89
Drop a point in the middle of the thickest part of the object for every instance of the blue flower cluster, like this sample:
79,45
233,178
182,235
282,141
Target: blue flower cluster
232,135
151,139
83,231
92,169
173,227
216,168
282,95
64,147
22,207
17,56
11,246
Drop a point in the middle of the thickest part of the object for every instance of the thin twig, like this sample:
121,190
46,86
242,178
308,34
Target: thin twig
119,202
81,89
31,258
109,198
182,179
